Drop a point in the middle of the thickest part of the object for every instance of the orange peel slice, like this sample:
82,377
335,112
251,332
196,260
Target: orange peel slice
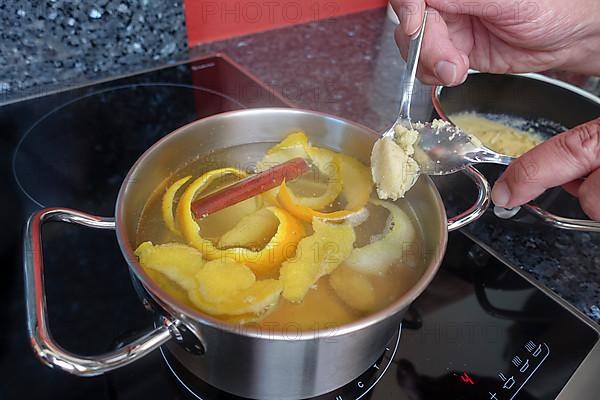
294,145
353,288
356,190
177,261
266,260
291,203
377,257
358,183
325,163
185,218
256,299
217,280
279,248
317,255
254,231
167,203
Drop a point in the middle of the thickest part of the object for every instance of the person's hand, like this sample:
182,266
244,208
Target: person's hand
501,36
570,159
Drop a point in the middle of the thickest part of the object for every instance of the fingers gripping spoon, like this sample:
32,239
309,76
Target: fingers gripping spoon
393,169
408,80
441,148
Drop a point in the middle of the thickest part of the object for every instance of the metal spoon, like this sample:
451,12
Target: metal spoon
408,80
442,148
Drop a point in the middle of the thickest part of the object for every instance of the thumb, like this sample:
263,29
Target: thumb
563,158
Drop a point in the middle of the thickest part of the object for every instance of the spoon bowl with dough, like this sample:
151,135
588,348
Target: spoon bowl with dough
408,149
443,148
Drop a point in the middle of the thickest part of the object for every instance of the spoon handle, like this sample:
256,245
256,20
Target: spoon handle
410,71
490,157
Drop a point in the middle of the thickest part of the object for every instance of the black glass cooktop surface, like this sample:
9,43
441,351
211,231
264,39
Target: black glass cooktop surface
480,331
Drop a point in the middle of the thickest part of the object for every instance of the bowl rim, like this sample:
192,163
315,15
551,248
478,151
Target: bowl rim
189,315
437,90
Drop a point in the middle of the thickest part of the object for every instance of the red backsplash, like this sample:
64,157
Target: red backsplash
209,20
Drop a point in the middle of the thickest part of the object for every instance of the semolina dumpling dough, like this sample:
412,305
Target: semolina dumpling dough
393,168
495,135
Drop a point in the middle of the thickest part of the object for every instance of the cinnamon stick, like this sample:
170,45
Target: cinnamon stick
249,187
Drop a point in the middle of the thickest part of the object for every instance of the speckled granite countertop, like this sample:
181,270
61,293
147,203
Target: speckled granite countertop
348,67
59,44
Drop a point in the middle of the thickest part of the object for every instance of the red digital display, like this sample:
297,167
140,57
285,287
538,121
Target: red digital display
466,378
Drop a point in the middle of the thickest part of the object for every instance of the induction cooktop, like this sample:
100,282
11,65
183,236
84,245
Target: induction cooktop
482,329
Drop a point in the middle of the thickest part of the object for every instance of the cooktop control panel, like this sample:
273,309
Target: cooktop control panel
523,365
483,331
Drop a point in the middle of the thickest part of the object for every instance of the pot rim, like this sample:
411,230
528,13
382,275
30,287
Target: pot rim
189,314
437,90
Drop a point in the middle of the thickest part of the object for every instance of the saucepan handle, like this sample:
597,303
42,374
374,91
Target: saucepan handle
480,205
44,346
546,216
571,224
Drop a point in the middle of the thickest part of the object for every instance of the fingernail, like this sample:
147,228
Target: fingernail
410,29
463,79
465,59
445,71
500,194
406,16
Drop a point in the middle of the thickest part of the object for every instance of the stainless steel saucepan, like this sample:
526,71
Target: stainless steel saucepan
242,360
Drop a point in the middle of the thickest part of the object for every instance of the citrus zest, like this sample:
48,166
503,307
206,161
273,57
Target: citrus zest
185,218
256,299
219,280
317,255
167,203
355,289
294,145
176,261
357,182
326,164
356,190
264,261
253,231
279,248
290,202
377,257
